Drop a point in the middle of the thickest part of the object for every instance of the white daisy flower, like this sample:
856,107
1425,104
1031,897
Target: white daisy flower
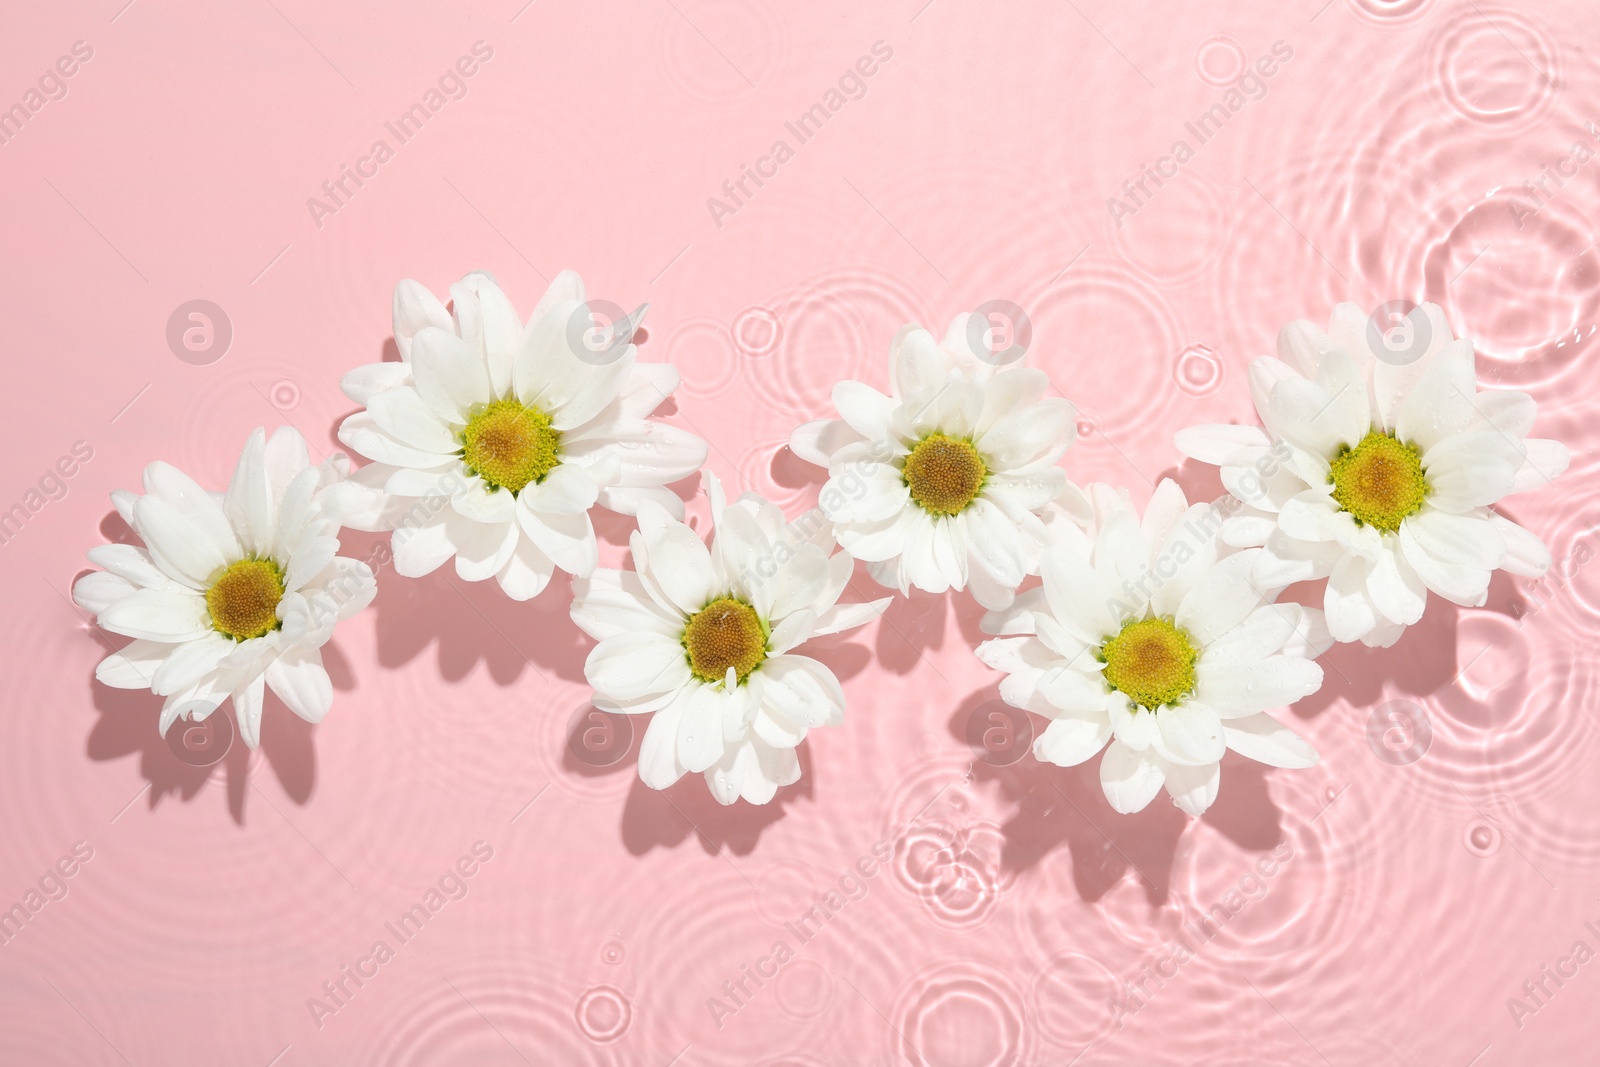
1147,636
705,639
234,592
522,428
1380,475
941,484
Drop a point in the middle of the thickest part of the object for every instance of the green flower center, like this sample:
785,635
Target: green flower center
725,633
1380,481
509,445
1150,661
945,474
243,602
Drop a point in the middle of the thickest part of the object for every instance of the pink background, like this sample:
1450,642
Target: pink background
1415,899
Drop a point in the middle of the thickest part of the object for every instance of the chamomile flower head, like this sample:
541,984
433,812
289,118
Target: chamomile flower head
1147,639
948,481
706,639
1380,474
233,593
492,438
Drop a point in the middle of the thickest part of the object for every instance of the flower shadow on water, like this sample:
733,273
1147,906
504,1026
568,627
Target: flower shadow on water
1064,806
666,818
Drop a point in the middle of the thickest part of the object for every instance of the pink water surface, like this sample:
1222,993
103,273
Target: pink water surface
1381,908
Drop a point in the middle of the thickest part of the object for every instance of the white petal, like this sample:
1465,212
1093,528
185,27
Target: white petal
1526,555
1349,609
1221,599
631,665
700,728
189,662
658,753
200,508
177,544
96,592
1469,540
566,490
647,453
1190,733
615,601
1068,741
134,665
1245,687
476,502
1215,443
567,539
802,690
1193,789
1266,740
1545,461
1130,779
483,549
247,702
249,503
158,615
362,383
402,415
1458,583
450,377
1441,402
1396,590
422,549
817,441
415,308
302,683
526,573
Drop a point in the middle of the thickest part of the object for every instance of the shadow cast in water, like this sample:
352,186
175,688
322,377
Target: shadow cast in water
471,622
184,762
1065,806
666,818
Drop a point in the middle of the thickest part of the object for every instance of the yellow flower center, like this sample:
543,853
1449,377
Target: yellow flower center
725,633
1380,481
1151,661
944,473
509,445
243,602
